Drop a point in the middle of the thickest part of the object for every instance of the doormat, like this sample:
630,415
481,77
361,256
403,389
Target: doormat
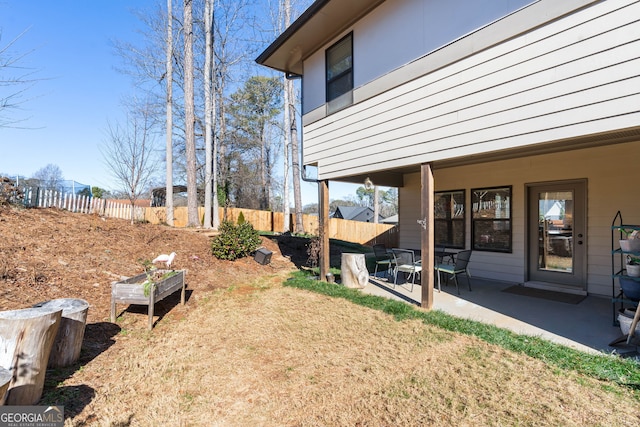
545,294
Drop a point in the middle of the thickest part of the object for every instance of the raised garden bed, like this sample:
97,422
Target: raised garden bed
147,289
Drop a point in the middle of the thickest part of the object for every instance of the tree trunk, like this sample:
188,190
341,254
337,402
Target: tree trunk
189,111
287,152
68,342
376,204
291,129
209,106
353,271
169,106
26,339
295,163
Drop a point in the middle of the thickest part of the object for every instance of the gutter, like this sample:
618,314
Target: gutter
303,174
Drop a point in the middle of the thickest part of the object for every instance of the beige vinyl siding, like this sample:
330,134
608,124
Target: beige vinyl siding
612,173
409,200
576,76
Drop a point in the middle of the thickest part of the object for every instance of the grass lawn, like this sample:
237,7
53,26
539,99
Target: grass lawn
313,354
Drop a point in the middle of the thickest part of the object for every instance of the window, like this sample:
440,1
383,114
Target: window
449,214
339,60
491,219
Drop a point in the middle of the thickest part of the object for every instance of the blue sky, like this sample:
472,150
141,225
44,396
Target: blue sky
68,110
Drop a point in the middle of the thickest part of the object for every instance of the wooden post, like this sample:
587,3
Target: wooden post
68,342
323,212
353,270
26,338
426,235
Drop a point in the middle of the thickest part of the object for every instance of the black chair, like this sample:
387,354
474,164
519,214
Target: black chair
439,254
459,267
383,258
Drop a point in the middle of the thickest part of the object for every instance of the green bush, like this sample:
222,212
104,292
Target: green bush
235,241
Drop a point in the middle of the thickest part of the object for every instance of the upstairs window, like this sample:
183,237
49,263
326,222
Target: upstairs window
339,60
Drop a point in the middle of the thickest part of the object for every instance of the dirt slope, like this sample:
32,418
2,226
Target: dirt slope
50,253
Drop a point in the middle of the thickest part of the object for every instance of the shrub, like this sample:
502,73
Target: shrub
235,241
241,219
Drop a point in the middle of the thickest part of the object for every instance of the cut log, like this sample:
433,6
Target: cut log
353,270
26,338
68,343
5,379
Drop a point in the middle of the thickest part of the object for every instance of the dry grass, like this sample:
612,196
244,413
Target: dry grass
272,356
265,355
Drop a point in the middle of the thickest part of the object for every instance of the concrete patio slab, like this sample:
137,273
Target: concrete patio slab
587,326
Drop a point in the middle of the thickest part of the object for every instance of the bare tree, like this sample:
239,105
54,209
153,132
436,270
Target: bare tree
280,22
291,129
211,182
286,6
169,113
15,81
49,177
190,118
129,153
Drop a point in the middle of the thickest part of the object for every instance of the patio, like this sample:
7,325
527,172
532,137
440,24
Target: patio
586,326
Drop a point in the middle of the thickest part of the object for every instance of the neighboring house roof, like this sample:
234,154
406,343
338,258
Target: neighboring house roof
393,219
355,213
323,20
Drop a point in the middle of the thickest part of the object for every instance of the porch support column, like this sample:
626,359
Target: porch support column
323,227
426,235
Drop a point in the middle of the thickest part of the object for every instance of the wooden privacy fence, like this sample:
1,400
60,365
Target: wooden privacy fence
365,233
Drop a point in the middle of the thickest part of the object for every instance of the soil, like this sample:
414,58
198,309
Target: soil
49,253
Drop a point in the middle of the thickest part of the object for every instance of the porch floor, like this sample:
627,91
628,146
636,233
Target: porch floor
587,326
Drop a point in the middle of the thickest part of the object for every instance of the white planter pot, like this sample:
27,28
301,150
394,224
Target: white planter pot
630,245
625,324
633,270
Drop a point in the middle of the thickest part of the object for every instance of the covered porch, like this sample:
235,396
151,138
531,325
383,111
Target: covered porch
586,325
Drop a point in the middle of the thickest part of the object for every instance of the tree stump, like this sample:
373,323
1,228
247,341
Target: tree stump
68,342
26,338
5,379
353,271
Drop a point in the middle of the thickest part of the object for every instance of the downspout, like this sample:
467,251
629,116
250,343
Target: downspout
322,213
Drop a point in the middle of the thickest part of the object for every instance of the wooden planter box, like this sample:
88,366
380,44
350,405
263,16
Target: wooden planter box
131,291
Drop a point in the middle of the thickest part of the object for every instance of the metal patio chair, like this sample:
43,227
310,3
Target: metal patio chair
383,259
460,266
405,262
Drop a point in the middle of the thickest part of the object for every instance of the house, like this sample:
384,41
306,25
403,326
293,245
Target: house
483,113
356,213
